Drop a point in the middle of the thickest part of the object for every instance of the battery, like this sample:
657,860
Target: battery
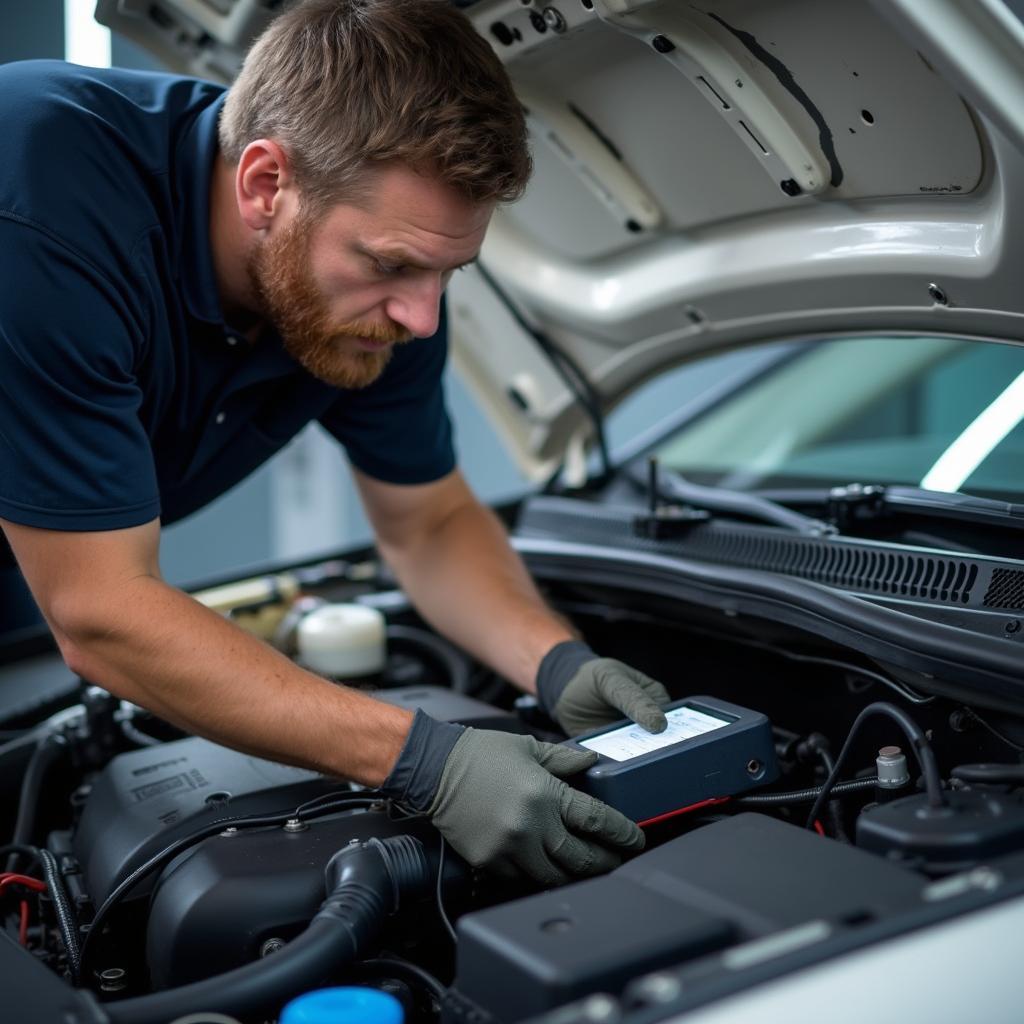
710,749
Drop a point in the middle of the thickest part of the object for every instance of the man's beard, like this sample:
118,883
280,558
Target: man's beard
280,274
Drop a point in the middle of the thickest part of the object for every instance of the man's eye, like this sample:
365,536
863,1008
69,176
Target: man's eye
386,269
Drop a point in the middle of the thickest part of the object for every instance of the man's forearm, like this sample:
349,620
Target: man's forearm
469,583
157,647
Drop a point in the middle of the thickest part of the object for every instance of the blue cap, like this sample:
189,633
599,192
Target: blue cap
349,1005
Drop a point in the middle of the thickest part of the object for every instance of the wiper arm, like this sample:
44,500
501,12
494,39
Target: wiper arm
672,486
860,502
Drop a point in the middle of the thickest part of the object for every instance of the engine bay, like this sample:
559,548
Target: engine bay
159,874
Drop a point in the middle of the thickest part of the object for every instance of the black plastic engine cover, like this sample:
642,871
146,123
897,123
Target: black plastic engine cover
217,904
733,880
974,825
144,800
32,993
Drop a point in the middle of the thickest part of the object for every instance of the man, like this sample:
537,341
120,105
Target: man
188,279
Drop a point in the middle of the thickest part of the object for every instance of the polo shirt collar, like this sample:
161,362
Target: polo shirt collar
196,154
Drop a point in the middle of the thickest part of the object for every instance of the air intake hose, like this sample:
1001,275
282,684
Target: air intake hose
366,883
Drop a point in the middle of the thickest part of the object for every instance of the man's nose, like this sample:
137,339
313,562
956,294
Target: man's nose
417,304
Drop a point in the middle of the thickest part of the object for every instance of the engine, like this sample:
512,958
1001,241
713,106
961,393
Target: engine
214,880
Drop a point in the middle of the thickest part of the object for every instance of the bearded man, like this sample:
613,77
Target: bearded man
191,276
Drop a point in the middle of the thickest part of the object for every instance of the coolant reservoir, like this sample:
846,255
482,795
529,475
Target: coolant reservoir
348,1005
342,640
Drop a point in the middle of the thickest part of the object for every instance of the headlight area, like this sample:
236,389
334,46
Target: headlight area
159,875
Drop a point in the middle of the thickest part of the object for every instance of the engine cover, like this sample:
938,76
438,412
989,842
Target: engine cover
146,799
738,879
218,903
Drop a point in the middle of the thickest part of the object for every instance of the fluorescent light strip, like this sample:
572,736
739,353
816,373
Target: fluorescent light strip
975,444
86,41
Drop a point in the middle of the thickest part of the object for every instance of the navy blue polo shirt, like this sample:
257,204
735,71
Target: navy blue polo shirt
123,394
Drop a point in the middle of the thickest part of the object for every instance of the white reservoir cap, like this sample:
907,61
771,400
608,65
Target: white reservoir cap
342,640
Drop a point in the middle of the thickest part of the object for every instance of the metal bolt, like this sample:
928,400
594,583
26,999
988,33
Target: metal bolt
961,720
663,44
112,979
660,988
985,878
753,766
938,294
791,187
295,825
1013,626
554,19
271,946
599,1007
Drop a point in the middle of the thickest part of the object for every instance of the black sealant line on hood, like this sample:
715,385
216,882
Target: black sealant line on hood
788,82
566,367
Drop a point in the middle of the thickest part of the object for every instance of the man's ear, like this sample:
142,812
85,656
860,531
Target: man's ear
263,183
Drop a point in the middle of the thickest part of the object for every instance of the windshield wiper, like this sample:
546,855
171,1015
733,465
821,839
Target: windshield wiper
859,503
686,502
697,500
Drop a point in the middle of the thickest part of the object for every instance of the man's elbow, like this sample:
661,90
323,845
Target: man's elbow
80,624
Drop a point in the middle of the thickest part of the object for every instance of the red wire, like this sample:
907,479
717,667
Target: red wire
10,878
683,810
23,927
818,827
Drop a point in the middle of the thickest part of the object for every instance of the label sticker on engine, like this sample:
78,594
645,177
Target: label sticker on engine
175,784
631,740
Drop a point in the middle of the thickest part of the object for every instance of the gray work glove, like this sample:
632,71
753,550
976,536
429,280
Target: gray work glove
499,800
581,691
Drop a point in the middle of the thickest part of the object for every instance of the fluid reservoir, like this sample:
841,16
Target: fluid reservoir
348,1005
342,640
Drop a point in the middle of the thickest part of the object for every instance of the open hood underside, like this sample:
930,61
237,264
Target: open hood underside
714,174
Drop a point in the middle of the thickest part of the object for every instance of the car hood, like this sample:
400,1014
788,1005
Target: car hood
711,175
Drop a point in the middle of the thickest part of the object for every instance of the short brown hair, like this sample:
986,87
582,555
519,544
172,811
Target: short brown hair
343,85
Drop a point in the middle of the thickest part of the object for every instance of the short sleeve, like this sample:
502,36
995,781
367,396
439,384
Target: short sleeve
74,454
397,430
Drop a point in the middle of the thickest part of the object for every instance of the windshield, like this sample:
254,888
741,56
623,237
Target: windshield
940,413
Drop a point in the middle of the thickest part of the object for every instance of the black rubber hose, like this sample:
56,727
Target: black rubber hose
50,749
14,745
66,922
918,740
366,883
804,796
993,774
135,735
835,808
22,849
453,661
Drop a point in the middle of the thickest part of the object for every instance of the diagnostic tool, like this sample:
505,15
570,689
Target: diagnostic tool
710,749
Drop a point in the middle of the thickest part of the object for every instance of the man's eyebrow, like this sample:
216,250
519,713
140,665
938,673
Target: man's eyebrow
404,258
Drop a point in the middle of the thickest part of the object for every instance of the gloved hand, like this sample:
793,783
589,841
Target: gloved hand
581,691
499,800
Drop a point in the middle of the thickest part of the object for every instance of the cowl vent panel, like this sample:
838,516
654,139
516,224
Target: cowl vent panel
926,577
866,567
1005,590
